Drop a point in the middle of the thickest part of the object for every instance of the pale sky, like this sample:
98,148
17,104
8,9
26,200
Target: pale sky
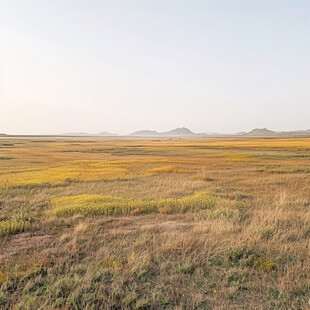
122,66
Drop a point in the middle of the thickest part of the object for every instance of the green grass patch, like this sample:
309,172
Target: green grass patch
113,205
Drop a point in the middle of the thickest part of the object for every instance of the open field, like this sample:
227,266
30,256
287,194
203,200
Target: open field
102,223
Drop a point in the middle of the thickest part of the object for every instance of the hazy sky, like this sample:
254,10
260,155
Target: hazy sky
120,66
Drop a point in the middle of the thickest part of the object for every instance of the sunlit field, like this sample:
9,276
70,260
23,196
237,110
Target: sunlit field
115,223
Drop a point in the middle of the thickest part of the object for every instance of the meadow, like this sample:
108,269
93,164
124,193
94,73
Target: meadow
181,223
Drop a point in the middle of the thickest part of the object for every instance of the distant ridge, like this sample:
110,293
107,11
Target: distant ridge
177,132
264,132
85,134
3,134
296,133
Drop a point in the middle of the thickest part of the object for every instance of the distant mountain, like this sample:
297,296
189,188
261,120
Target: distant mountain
260,132
106,134
177,132
3,134
181,132
145,133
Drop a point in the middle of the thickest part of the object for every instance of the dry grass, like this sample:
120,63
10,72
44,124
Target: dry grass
148,224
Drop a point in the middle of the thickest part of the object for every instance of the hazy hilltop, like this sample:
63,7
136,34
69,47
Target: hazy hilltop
145,133
106,134
260,132
181,132
3,134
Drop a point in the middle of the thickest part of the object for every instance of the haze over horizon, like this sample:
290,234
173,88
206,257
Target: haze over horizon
216,66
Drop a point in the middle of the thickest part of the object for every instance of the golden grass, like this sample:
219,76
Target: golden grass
233,157
169,169
75,170
82,171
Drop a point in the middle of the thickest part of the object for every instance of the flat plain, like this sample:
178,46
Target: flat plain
181,223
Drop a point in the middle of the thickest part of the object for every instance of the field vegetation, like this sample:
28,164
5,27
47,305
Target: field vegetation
115,223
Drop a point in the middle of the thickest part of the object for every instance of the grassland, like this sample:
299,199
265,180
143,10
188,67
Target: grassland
102,223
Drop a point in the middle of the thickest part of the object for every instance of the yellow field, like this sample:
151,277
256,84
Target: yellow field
154,223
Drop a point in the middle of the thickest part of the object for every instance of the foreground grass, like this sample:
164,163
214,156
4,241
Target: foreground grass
151,261
187,226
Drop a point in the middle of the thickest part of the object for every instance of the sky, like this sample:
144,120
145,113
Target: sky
120,66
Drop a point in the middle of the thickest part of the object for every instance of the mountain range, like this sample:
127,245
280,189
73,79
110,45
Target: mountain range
185,132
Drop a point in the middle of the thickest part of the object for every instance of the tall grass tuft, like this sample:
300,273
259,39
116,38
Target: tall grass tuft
12,227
